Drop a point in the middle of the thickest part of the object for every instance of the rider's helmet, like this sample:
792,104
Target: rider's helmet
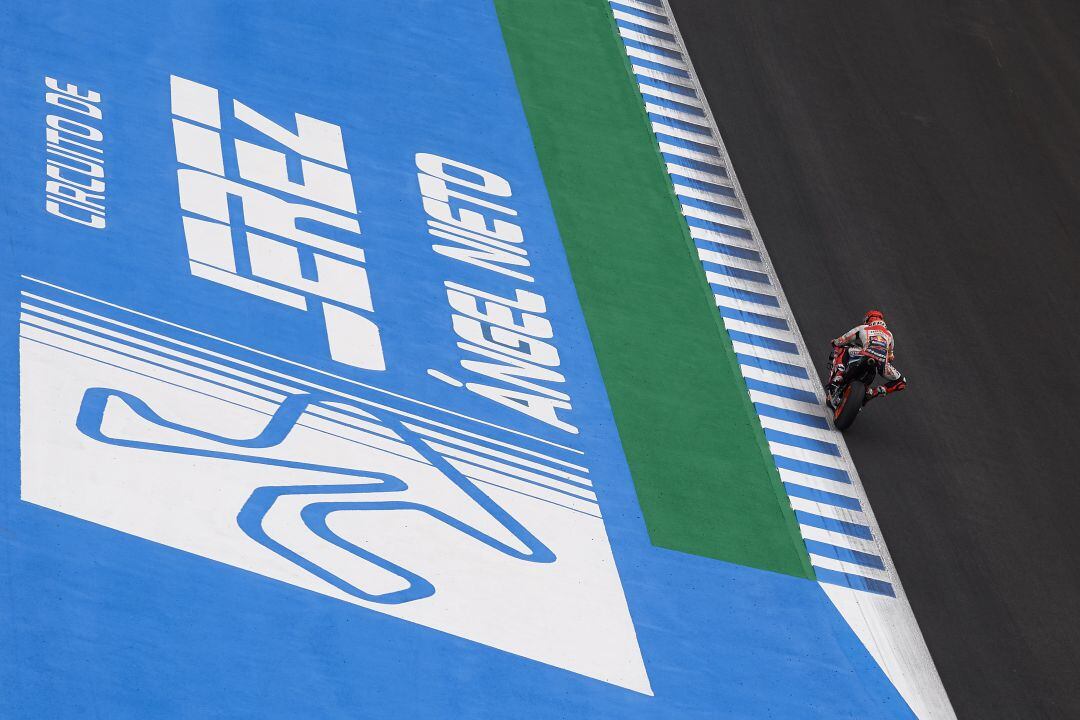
873,316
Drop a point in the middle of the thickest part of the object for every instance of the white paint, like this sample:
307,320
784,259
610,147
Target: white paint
840,540
755,329
649,39
195,101
679,133
676,114
703,234
643,22
570,613
775,378
308,368
656,58
663,76
831,563
704,194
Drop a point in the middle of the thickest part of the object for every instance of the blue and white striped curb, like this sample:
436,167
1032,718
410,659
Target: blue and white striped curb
815,467
842,537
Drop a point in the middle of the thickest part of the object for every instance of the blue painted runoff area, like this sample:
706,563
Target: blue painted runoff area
310,422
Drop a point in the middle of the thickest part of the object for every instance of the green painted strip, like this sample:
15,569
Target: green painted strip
701,466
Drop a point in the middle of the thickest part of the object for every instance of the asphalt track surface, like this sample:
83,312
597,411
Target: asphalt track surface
922,157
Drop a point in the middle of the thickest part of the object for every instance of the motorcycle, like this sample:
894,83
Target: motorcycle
849,396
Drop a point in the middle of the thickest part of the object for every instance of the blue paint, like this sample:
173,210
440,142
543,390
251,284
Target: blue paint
793,416
281,423
659,67
747,295
733,251
826,448
639,13
664,85
719,227
855,582
708,187
809,468
672,105
821,496
845,554
755,318
771,365
712,206
32,324
735,272
687,144
764,342
686,162
643,30
834,525
111,625
682,124
655,49
781,391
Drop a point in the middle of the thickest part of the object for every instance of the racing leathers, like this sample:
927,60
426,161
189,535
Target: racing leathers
872,340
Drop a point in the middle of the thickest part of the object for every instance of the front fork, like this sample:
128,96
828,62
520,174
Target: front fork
834,367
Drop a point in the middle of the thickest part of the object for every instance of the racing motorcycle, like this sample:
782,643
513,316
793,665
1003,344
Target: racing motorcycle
860,371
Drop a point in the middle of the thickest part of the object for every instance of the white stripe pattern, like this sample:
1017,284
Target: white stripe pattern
842,537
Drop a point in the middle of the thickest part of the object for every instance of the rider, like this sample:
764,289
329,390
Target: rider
873,339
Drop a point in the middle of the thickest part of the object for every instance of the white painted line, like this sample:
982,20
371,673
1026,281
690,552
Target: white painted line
840,540
817,483
643,22
759,286
679,132
690,100
791,428
765,353
775,378
826,510
703,234
831,563
656,58
308,368
734,221
697,194
648,39
712,178
677,115
692,155
662,76
799,406
647,7
734,262
760,330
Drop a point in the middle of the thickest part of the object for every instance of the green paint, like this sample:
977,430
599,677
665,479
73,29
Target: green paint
701,466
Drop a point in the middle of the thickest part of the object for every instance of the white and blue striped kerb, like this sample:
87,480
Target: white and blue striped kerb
812,459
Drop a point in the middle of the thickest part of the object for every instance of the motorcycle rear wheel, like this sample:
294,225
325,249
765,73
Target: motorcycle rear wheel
850,405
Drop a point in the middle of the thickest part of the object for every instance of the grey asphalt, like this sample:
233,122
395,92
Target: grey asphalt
923,157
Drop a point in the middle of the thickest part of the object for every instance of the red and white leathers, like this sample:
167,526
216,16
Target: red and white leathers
870,340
